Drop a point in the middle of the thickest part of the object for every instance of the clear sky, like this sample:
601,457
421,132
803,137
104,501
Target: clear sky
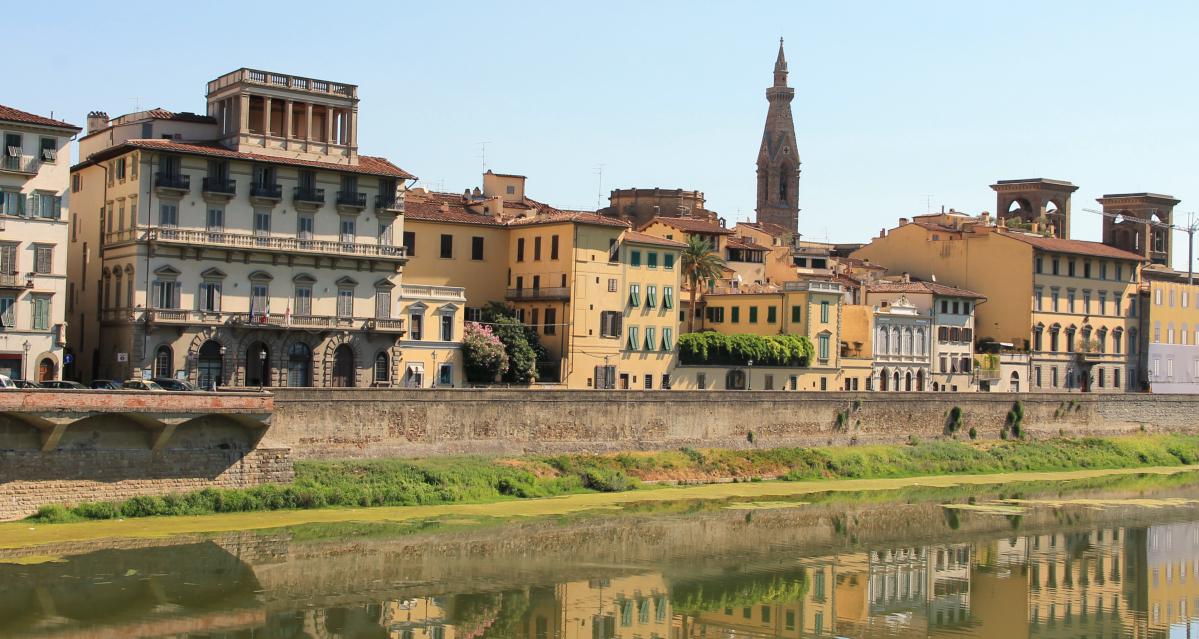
898,104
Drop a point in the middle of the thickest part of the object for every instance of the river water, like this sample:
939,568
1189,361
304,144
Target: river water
1101,558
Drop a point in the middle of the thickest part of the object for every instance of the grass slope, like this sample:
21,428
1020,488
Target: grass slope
321,484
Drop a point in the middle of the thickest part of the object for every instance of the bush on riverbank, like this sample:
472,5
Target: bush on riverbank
321,484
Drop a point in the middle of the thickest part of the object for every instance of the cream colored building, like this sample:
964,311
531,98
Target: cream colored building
251,246
34,175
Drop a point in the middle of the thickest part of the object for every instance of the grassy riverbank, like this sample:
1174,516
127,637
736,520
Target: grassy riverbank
321,484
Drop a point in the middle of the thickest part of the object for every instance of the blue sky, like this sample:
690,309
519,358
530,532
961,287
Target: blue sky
897,104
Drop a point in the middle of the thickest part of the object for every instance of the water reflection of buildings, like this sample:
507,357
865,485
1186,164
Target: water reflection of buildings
1105,583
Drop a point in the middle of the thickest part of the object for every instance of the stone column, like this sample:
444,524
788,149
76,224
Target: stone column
266,117
308,121
287,123
243,113
328,125
352,128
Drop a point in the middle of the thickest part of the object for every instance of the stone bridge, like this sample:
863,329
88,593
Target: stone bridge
84,445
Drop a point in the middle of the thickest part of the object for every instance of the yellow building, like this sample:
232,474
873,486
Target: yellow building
1169,331
1070,303
803,308
601,298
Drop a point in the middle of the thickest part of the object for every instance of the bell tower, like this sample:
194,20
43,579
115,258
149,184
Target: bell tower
778,157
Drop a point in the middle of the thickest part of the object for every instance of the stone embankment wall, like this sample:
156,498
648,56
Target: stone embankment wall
73,446
356,423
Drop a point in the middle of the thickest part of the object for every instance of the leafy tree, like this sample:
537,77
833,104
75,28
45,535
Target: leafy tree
520,343
698,264
710,347
484,353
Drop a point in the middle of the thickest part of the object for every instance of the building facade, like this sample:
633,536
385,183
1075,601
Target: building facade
1169,331
951,311
252,246
34,175
778,155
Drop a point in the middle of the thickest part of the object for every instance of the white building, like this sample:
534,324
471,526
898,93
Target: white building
34,174
251,246
901,346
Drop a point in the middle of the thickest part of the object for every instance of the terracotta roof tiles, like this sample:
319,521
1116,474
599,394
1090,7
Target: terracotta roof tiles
1076,247
924,287
10,114
367,164
690,225
642,238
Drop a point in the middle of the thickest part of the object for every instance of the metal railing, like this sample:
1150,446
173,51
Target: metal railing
305,194
266,242
552,293
20,163
389,203
219,185
382,324
176,181
267,191
15,280
351,198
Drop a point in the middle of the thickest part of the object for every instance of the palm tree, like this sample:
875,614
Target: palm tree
698,264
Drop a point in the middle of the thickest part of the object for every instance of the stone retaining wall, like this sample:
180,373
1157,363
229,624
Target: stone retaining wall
358,423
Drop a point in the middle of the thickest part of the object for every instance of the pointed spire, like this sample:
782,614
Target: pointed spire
780,67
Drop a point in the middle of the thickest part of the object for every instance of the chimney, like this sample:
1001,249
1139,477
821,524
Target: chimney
1052,230
882,232
96,121
907,277
903,221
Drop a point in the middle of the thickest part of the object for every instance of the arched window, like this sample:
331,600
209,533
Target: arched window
343,367
919,341
382,369
163,361
46,370
212,362
882,341
883,379
258,365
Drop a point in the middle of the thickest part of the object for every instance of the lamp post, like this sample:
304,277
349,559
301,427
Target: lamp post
221,373
749,378
25,362
435,374
261,368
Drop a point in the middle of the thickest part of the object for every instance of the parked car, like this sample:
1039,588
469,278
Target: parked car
62,385
24,383
6,382
141,385
172,384
105,384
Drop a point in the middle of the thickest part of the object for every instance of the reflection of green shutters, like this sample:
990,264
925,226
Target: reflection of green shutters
643,605
633,343
660,600
626,613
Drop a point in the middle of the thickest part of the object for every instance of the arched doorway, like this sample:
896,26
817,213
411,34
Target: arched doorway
907,378
211,364
1014,382
163,361
258,365
883,380
46,370
299,365
920,380
343,367
895,380
734,380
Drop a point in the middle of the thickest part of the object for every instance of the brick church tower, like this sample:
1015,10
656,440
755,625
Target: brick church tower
778,159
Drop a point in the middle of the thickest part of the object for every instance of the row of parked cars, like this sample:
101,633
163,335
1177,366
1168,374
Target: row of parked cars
156,384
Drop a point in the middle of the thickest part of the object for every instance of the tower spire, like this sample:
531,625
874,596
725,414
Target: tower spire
778,157
780,67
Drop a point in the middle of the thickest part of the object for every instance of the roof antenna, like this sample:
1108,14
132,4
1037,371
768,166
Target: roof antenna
483,154
599,187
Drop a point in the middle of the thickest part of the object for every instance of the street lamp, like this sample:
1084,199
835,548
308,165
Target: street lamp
261,368
435,372
25,363
749,379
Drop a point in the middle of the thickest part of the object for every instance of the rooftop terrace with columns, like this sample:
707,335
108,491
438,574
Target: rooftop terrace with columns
286,115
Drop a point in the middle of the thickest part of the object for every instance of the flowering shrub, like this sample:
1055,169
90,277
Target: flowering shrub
484,354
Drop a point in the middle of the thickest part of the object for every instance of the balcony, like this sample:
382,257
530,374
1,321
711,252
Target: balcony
247,241
15,280
538,294
24,164
266,193
351,200
389,203
175,183
431,292
221,188
309,197
385,325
